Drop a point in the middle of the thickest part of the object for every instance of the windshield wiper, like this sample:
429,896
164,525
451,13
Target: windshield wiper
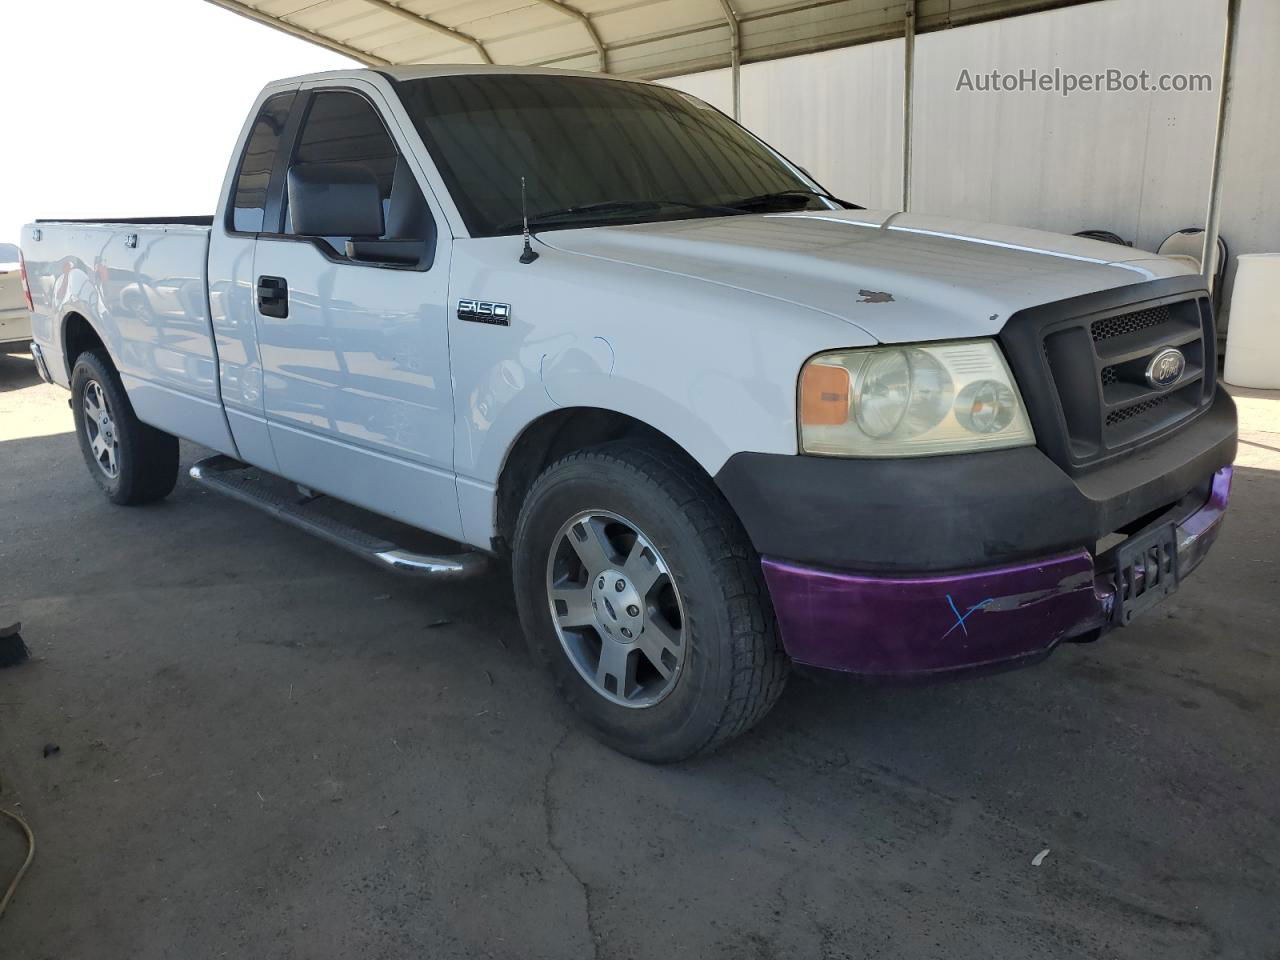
783,196
587,210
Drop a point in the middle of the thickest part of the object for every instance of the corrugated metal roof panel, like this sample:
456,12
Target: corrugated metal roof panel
641,38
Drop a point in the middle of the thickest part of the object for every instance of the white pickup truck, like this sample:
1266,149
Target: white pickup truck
721,421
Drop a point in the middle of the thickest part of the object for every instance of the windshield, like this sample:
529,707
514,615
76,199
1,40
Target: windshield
626,151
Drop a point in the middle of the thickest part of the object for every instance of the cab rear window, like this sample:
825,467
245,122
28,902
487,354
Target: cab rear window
249,196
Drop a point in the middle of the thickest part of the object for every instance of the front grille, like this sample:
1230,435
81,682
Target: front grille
1110,327
1082,368
1137,409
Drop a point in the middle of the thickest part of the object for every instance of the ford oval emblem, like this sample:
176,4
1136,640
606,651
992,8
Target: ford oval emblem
1166,367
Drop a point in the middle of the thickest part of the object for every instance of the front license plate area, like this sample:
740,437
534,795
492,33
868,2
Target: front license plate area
1146,571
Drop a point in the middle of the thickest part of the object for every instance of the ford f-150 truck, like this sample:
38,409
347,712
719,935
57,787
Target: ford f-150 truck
720,421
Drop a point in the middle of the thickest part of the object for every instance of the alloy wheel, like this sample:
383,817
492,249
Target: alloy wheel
616,609
100,429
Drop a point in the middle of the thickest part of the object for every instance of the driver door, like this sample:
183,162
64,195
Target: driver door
353,339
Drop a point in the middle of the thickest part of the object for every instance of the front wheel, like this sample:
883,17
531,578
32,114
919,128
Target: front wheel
640,593
132,462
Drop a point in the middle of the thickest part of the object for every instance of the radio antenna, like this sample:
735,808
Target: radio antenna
529,254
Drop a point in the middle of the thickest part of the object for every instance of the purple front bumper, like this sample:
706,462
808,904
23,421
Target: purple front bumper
917,626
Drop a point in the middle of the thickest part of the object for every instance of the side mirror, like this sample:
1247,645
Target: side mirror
334,200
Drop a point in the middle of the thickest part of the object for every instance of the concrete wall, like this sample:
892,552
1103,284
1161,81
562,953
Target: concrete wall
1133,163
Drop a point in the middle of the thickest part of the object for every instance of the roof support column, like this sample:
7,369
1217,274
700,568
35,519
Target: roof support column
435,27
735,57
1213,217
583,19
908,96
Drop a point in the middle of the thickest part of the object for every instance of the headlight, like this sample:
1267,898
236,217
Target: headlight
911,401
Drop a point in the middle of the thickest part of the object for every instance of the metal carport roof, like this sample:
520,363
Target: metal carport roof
647,39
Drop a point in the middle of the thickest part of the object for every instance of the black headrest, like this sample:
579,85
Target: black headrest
334,200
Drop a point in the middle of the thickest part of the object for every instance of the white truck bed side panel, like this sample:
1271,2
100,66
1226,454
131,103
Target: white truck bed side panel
144,290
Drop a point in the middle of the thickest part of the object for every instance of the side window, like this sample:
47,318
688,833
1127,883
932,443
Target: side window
346,156
249,193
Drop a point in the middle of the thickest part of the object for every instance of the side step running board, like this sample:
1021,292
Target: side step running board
272,495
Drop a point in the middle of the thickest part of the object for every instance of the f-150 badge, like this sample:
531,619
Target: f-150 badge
482,311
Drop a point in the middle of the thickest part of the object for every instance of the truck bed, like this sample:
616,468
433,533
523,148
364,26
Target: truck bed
142,285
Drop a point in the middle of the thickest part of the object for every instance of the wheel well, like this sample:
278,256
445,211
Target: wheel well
77,337
556,435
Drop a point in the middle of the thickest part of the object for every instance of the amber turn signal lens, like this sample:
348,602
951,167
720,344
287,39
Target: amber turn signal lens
824,395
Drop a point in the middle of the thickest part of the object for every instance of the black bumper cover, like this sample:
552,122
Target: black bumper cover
966,510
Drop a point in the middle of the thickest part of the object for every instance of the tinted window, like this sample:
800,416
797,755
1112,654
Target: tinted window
249,201
582,141
343,127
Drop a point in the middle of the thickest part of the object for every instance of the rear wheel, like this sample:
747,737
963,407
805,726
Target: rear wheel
642,596
132,462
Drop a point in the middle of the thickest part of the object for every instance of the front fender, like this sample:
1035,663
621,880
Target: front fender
711,366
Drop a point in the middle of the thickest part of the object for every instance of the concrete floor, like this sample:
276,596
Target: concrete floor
270,750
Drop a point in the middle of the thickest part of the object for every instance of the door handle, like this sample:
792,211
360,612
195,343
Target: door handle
273,297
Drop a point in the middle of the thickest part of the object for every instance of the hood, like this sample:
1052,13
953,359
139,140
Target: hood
899,277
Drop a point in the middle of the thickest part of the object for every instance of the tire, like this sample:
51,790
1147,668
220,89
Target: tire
728,667
132,462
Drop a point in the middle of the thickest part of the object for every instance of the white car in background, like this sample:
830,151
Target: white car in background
15,316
